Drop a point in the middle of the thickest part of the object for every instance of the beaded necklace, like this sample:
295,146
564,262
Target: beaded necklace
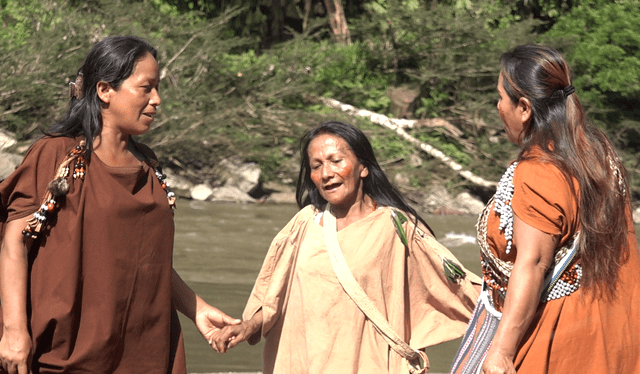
502,199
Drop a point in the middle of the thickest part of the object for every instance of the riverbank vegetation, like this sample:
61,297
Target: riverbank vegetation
245,78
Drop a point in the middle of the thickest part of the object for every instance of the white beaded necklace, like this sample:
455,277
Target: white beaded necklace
502,199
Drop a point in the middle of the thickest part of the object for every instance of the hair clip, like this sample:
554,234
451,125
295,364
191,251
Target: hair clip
568,90
75,88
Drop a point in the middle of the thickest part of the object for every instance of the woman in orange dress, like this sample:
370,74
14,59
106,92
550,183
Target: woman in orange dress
559,251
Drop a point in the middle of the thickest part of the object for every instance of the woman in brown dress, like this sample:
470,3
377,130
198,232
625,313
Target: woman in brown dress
86,276
559,251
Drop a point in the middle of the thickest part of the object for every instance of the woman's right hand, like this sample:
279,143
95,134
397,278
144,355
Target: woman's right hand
16,352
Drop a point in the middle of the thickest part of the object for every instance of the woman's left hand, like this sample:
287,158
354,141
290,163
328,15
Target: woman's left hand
210,320
497,362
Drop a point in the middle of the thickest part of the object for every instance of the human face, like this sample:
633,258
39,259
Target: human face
511,115
130,108
336,171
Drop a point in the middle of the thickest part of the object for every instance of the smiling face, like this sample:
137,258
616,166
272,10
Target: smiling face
336,171
130,108
514,115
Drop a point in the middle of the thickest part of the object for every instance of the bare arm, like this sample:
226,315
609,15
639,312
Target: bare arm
15,345
535,256
207,318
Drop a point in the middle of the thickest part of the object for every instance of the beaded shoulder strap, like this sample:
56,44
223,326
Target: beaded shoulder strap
162,178
564,276
57,190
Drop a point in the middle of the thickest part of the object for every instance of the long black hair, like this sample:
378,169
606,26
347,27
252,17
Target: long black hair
558,128
376,184
111,60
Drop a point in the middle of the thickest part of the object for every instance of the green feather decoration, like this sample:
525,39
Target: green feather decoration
452,270
398,219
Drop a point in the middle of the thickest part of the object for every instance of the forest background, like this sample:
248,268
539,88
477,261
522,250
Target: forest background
247,78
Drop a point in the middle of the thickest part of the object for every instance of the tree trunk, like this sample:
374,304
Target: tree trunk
275,23
307,10
337,20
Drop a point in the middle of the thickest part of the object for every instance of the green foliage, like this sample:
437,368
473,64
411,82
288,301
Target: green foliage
225,94
452,53
601,44
605,48
347,72
448,147
430,106
22,19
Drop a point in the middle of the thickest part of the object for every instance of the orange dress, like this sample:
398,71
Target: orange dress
576,333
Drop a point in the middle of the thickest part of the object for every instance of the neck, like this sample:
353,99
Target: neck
114,148
354,212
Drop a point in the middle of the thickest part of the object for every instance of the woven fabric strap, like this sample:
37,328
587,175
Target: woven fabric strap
364,303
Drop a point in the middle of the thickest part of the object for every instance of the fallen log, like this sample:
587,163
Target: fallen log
398,126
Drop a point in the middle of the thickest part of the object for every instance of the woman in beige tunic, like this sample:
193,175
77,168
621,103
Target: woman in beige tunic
310,324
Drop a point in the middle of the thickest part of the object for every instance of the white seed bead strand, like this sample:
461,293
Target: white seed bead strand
502,198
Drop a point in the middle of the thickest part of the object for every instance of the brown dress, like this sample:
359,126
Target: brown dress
312,326
576,333
99,293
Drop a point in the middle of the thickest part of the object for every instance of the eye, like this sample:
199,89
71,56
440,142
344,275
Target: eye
147,88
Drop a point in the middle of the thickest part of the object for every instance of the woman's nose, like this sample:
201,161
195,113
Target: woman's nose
155,98
327,171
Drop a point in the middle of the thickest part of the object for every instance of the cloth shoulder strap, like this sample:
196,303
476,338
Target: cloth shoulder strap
364,303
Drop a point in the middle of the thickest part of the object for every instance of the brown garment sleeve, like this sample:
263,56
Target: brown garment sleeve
22,192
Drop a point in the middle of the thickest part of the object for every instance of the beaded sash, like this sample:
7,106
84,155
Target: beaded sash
562,279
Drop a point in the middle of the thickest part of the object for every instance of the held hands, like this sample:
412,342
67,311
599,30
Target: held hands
15,352
498,363
210,321
232,335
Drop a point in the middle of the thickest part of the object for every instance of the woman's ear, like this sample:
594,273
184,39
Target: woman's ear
524,106
104,90
364,172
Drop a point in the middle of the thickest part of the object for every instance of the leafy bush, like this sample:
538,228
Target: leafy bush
601,45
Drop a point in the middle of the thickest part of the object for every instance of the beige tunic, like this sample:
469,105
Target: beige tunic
312,326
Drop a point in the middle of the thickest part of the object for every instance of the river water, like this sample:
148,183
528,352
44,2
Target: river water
219,249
